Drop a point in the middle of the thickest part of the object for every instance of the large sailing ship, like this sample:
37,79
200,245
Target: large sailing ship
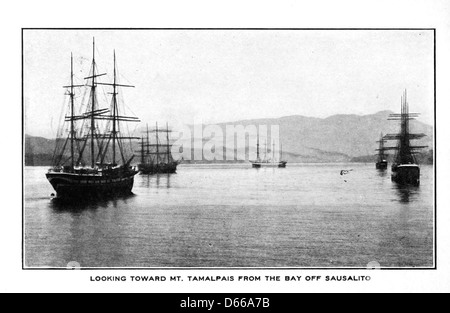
381,163
405,169
91,160
268,161
156,158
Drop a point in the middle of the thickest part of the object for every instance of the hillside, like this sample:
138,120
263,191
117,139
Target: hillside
338,138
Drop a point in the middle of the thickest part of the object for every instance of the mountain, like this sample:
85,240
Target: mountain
38,150
338,138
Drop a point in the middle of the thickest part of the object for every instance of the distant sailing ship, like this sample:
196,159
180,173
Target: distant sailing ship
109,171
266,161
156,158
381,163
405,169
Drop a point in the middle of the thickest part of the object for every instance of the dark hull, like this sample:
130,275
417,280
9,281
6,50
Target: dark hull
408,174
381,165
170,168
71,185
281,164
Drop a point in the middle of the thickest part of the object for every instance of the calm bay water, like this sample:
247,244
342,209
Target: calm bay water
307,215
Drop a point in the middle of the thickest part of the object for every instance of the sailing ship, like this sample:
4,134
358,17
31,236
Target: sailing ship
405,169
267,161
96,163
381,163
156,158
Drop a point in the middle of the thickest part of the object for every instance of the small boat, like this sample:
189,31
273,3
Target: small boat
90,161
157,158
405,170
266,161
381,163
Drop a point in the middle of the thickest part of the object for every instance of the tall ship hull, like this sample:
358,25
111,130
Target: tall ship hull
170,168
381,165
91,185
406,174
256,164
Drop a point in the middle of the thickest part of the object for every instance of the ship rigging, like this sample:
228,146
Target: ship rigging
405,169
102,168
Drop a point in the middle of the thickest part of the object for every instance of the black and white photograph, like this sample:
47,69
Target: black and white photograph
240,149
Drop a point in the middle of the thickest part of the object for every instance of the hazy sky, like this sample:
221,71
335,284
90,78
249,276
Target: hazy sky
191,76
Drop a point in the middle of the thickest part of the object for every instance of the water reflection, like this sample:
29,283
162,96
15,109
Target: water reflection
161,181
382,172
168,181
86,204
406,193
145,180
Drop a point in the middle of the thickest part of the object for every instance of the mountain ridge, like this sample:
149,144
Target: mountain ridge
337,138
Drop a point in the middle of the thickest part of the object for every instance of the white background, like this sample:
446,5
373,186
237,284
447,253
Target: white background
230,14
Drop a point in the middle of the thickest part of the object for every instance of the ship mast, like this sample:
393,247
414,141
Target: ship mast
168,148
114,132
405,155
273,151
281,152
145,152
157,144
142,150
265,149
257,147
93,104
71,118
148,142
71,113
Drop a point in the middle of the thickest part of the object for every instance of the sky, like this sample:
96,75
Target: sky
214,76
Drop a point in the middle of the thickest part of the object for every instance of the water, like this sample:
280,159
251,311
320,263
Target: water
307,215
